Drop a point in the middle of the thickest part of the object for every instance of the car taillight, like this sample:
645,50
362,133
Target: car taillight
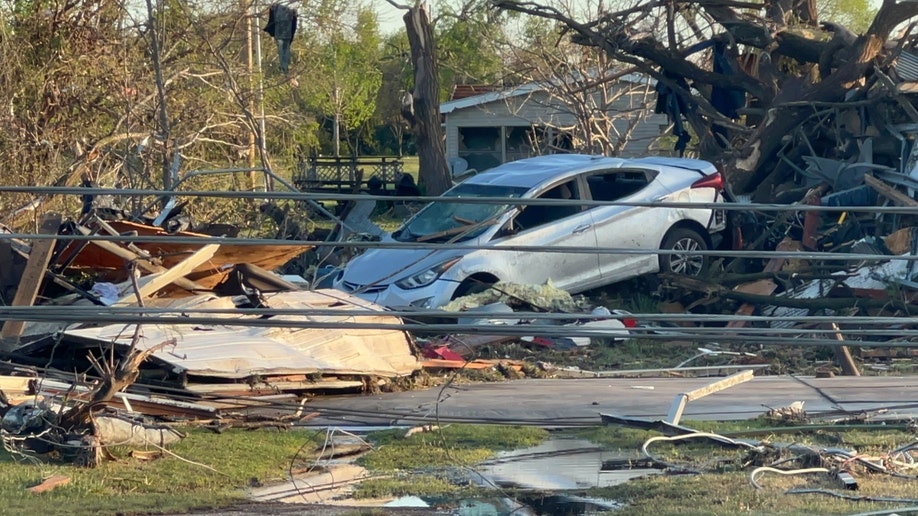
629,322
714,180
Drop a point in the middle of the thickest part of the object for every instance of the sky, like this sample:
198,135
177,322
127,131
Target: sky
390,18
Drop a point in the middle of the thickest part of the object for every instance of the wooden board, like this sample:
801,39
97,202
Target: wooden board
34,273
107,266
157,281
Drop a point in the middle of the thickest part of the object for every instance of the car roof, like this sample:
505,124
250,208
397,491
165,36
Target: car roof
534,171
530,172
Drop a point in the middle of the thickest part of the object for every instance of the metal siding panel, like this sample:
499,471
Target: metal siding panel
228,351
907,66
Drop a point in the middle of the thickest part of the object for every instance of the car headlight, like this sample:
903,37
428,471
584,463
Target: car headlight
422,279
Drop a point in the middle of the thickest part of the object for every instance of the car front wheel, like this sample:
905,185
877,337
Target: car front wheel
684,242
472,286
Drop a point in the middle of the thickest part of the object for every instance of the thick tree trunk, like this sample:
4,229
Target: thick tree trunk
424,109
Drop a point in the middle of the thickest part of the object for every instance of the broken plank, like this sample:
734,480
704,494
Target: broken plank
153,283
237,389
812,218
462,364
889,192
50,483
758,288
678,406
16,389
141,403
143,261
32,276
843,354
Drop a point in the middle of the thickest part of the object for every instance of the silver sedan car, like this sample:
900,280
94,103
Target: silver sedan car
575,245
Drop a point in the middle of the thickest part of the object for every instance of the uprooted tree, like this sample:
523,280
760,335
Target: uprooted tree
753,84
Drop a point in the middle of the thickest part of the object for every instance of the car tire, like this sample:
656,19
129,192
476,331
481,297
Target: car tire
471,286
684,239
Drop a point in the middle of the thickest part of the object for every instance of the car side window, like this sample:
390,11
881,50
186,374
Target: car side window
535,215
615,185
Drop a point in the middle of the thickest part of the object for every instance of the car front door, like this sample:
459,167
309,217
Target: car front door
564,224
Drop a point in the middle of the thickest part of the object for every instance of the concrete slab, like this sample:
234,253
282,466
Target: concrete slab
579,401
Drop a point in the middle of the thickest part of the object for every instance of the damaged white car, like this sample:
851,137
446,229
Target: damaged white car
576,246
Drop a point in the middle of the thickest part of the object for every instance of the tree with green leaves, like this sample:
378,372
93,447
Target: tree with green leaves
395,65
341,66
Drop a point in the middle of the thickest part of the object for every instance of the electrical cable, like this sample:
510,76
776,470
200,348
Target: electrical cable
847,496
757,472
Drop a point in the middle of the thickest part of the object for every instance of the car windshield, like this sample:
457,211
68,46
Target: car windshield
442,221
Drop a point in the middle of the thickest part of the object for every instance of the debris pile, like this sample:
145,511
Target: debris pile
128,324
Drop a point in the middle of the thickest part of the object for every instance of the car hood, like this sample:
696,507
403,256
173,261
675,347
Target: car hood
384,266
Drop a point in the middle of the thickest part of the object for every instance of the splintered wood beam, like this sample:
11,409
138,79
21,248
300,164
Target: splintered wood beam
889,192
32,276
142,260
843,354
150,284
678,406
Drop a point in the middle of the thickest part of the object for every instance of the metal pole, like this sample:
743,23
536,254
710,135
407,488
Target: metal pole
250,65
269,183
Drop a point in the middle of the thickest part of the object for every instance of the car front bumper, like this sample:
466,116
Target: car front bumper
434,295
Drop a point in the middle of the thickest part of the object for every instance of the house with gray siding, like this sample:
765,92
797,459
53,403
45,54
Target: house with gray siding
493,127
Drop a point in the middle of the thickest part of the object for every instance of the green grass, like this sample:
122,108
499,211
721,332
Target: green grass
430,464
453,445
165,485
411,166
726,490
731,493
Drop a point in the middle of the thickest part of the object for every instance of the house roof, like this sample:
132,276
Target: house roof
491,96
524,89
461,91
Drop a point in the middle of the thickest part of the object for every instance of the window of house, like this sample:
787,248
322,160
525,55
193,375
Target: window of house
480,147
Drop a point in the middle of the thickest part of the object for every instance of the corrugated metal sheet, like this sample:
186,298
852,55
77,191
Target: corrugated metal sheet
235,351
907,66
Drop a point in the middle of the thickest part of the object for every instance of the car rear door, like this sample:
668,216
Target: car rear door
637,228
566,224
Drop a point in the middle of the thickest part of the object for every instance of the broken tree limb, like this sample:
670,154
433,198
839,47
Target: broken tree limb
114,378
830,303
123,431
50,483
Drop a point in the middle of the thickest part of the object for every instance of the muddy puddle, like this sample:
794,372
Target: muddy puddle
546,479
561,464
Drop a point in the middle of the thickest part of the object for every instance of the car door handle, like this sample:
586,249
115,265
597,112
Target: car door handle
581,229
